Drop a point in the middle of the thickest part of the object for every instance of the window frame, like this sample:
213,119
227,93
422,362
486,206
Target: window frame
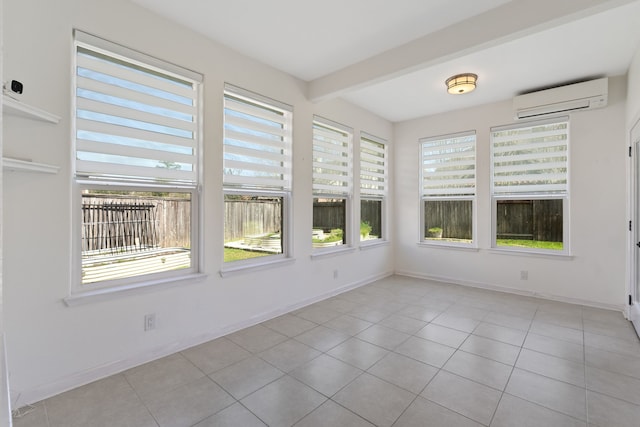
256,188
80,292
382,196
533,195
346,194
422,239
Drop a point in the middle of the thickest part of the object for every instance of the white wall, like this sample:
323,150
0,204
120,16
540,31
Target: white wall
633,94
53,347
595,274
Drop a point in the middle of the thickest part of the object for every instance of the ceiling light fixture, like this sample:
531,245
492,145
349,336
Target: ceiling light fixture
461,83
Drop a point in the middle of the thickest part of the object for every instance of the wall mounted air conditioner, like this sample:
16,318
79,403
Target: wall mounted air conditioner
563,99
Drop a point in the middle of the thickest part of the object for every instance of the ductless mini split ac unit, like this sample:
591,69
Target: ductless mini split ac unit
574,97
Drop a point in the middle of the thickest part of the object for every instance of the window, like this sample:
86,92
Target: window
257,177
137,150
530,186
448,177
332,183
374,183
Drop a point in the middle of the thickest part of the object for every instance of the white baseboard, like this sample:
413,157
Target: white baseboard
481,285
26,397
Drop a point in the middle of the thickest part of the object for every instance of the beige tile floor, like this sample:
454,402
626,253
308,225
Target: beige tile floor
399,352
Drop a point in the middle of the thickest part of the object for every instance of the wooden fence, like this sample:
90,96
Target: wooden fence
116,223
328,215
453,216
530,219
539,220
253,216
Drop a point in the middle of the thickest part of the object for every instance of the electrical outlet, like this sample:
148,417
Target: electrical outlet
524,275
149,321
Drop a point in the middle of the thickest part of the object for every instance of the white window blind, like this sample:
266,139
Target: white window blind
448,165
257,141
332,158
531,159
137,118
373,166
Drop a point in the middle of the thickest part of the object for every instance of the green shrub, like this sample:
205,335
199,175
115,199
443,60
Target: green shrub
365,229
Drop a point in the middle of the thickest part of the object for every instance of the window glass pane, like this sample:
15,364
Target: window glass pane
448,220
370,219
252,226
532,223
329,219
133,233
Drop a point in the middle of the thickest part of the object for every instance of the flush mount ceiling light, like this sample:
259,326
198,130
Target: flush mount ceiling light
461,83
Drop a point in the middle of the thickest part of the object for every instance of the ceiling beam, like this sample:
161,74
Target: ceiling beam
510,21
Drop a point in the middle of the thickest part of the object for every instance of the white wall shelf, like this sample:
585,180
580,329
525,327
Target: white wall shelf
15,165
18,108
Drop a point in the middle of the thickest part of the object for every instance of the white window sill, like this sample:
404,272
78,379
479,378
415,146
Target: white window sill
232,268
333,251
453,246
96,295
517,252
370,244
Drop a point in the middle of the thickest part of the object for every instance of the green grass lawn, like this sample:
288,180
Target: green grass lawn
231,254
556,246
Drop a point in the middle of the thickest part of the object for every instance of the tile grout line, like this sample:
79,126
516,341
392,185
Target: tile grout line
584,357
513,368
139,398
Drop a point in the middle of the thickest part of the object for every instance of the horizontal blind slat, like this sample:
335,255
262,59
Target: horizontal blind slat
142,153
330,147
265,143
248,125
377,147
253,110
433,192
100,89
500,170
502,137
117,112
342,169
92,168
321,188
322,133
139,134
110,68
255,154
251,168
251,182
531,147
381,175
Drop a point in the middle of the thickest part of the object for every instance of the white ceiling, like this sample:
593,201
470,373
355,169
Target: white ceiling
392,57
